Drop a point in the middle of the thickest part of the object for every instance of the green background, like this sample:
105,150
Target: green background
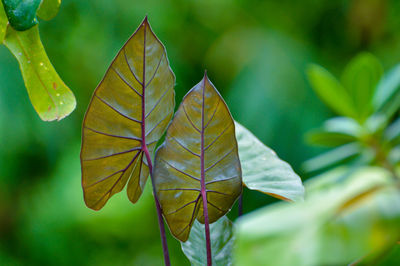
256,53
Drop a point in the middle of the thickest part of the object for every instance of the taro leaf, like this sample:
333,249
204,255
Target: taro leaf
200,147
262,170
128,113
21,13
48,9
50,97
222,240
360,78
3,23
330,90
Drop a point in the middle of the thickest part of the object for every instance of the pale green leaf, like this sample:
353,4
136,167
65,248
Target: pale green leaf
50,97
222,240
262,169
333,226
387,87
332,157
330,90
48,9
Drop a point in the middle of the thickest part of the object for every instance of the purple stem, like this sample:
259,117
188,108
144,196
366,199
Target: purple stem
240,205
148,158
203,183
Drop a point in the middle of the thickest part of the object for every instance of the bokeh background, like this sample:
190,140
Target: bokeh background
256,53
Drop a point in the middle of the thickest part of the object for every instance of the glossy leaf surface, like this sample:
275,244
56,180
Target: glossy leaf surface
330,90
129,111
262,169
21,13
3,23
222,241
48,9
50,97
200,143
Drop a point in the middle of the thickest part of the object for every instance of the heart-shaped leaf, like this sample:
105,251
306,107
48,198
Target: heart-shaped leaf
199,154
50,97
222,240
21,13
48,9
128,113
264,171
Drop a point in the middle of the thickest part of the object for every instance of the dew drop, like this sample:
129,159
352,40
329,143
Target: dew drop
57,94
61,103
41,64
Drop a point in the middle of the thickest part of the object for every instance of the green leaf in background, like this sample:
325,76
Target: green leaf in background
21,13
50,97
3,23
332,157
336,225
360,78
48,9
199,153
222,241
388,86
330,90
129,111
262,170
335,132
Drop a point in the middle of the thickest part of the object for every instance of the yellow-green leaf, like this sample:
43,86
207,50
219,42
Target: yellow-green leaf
50,97
129,111
48,9
3,23
200,154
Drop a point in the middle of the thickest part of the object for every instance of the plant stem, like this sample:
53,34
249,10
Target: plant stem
203,182
158,207
148,158
240,205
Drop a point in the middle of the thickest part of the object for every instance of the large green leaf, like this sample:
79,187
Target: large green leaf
330,90
48,9
199,154
21,13
222,240
129,111
3,23
387,87
50,97
335,225
360,78
262,169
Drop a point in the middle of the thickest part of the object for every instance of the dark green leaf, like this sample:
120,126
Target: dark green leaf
387,87
21,13
333,226
222,240
48,9
332,157
262,169
200,146
330,90
50,97
360,78
129,111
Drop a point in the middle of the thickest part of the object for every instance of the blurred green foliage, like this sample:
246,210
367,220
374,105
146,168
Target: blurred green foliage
255,51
